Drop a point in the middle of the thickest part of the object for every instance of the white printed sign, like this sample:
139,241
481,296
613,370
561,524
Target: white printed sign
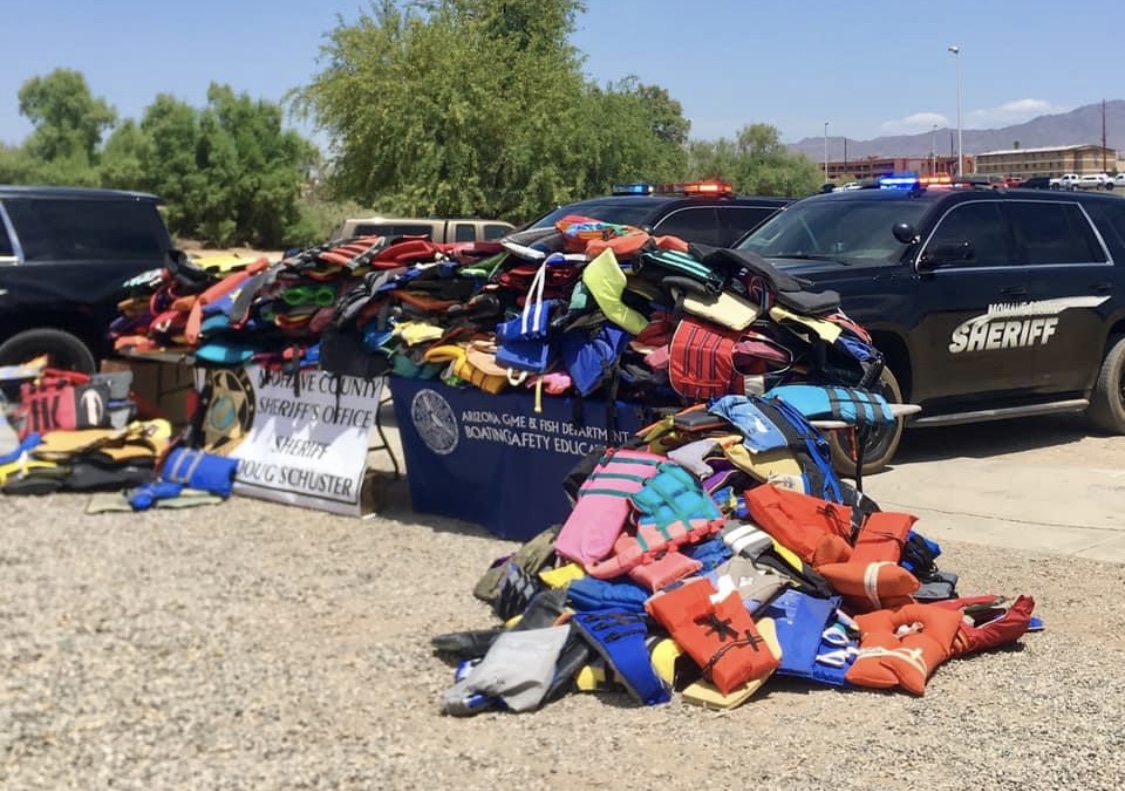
308,440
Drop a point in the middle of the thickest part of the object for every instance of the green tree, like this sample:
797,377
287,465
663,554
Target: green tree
69,120
229,171
755,162
479,107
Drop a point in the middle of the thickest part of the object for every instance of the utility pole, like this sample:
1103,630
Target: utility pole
1104,153
933,151
825,152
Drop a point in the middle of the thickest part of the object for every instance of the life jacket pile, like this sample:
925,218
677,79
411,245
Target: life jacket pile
583,308
717,550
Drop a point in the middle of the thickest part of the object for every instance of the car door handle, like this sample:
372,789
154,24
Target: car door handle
1101,288
1014,291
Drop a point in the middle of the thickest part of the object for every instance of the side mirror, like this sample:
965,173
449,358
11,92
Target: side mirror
905,232
950,253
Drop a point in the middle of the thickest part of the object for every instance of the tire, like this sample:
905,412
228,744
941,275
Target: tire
64,351
881,445
1107,404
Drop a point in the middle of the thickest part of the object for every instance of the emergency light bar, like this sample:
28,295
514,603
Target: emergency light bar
632,189
708,187
900,181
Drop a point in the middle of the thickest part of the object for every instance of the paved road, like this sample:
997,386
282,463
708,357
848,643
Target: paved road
1039,484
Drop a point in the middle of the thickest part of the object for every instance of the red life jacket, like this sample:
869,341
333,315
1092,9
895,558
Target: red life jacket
701,360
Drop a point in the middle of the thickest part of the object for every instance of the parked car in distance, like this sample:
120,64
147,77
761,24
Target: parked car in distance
1093,181
1067,181
1117,182
64,255
1036,183
440,231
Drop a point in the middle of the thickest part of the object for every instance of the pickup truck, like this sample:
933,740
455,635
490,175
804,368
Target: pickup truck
64,255
1067,181
440,231
985,304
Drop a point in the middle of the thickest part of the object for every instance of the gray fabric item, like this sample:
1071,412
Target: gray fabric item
691,456
756,586
9,440
120,383
940,587
746,539
518,669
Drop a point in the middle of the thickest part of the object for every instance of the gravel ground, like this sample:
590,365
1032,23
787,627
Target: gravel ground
250,645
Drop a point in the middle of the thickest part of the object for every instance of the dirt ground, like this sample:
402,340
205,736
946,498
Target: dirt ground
250,645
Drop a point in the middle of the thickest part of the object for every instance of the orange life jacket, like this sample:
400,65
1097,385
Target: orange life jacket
721,637
799,522
903,647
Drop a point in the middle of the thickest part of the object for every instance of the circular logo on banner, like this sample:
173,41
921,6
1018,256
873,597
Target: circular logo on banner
229,411
435,422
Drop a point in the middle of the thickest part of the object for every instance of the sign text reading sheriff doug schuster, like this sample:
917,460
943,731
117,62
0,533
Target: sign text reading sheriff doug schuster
312,445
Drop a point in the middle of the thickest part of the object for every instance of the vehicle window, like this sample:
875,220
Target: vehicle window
981,224
628,211
384,229
82,230
465,232
839,230
6,248
1110,219
1054,233
693,224
739,220
493,232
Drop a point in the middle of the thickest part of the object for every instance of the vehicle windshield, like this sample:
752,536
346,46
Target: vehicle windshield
620,212
849,231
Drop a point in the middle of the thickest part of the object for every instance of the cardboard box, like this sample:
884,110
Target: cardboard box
160,389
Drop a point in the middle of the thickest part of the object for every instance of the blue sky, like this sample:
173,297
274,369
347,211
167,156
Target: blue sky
867,68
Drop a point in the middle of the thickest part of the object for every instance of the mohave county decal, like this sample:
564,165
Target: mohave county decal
1015,325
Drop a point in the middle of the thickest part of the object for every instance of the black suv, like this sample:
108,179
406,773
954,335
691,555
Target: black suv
706,212
64,255
987,304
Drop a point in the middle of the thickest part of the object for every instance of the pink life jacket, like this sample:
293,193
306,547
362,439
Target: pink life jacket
650,543
589,533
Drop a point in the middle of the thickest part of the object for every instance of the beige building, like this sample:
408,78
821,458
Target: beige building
1054,161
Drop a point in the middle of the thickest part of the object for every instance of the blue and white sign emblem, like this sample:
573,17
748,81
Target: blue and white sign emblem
435,421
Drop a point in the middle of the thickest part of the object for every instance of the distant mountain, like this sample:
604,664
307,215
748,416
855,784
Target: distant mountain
1078,127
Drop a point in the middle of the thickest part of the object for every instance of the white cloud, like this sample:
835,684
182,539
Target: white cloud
913,124
1008,113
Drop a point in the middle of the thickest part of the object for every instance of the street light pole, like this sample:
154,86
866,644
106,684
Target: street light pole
825,152
960,150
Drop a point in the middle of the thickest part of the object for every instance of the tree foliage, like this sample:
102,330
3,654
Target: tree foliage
480,107
755,163
228,171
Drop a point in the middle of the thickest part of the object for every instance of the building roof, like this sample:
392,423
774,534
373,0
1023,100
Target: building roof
1043,149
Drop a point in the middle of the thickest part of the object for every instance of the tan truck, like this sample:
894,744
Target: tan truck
439,231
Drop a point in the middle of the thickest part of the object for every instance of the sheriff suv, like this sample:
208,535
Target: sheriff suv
986,303
707,212
64,255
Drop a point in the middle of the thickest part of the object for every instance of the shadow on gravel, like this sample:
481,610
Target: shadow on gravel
987,440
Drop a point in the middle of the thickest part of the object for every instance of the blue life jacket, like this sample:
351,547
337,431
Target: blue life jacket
856,407
801,622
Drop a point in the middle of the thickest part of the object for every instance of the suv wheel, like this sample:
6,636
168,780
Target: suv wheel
882,443
1107,404
63,350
